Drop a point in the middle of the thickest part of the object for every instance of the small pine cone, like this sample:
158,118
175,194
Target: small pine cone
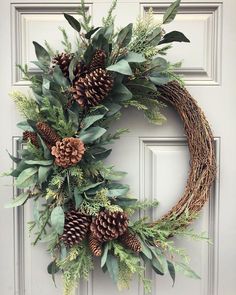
95,246
48,134
98,60
68,152
75,228
63,61
93,88
130,241
32,137
108,225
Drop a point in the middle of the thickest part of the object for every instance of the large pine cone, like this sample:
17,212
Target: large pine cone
95,246
108,225
93,88
32,137
98,60
75,228
48,134
63,61
130,241
68,152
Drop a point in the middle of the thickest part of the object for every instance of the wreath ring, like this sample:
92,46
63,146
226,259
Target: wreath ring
201,147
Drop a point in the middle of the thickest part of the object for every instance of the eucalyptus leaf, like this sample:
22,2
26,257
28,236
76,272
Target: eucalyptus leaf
120,93
145,250
58,219
53,269
186,270
174,36
117,189
90,120
102,155
91,134
171,12
154,38
42,54
78,198
161,79
157,65
122,67
113,108
114,175
141,85
27,178
171,269
18,201
135,57
39,162
104,255
24,125
59,77
43,173
14,159
73,22
125,35
112,267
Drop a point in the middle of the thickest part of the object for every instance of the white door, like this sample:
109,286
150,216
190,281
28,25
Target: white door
156,158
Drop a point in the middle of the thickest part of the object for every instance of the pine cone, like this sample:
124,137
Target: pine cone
93,88
108,225
130,241
75,228
95,246
32,137
80,71
98,60
63,61
68,152
48,134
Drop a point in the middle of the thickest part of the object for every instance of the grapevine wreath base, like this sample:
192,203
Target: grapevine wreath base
81,210
201,148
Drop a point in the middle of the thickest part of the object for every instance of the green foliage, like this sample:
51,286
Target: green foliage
145,28
109,19
133,266
27,106
76,265
86,17
66,42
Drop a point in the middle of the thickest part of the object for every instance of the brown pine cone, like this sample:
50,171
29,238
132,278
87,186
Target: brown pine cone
48,134
95,246
93,88
98,60
108,225
63,61
130,241
80,71
32,137
75,228
68,152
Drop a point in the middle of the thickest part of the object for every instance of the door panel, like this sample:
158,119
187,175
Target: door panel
156,158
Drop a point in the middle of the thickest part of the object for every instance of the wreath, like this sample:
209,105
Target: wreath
81,210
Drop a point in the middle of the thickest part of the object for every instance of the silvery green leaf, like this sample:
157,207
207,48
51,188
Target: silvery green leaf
18,201
122,67
27,178
42,54
112,267
58,219
135,57
39,162
171,12
91,134
104,255
125,35
90,120
43,173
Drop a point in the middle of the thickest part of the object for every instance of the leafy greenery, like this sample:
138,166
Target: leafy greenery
136,64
